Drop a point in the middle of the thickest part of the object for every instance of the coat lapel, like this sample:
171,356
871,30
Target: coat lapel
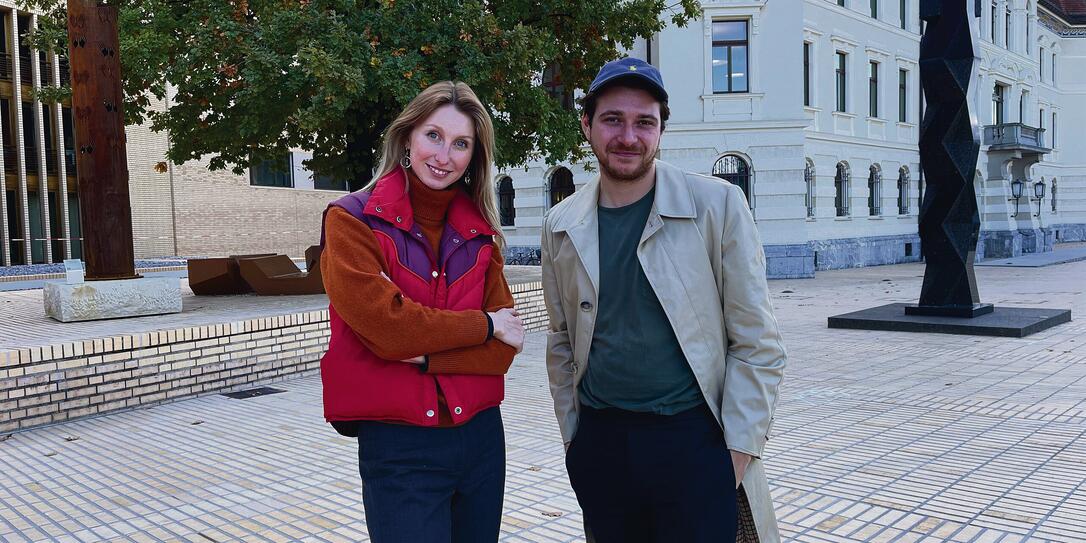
583,230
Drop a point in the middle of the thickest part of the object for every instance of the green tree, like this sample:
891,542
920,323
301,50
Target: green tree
250,79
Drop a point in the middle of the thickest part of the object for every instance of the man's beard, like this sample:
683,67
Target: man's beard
620,176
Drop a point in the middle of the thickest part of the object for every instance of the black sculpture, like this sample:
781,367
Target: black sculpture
949,144
949,221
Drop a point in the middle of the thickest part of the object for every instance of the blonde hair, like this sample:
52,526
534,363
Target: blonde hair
461,96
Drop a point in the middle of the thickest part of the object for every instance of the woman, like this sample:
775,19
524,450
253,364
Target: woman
423,328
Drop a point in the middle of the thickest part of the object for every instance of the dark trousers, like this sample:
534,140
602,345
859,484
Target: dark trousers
653,478
433,485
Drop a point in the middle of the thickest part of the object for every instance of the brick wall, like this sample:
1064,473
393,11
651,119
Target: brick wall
219,213
54,383
528,298
149,192
213,213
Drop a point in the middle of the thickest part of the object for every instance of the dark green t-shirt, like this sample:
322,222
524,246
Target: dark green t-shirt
635,362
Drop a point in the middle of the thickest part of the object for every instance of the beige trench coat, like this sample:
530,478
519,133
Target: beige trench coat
701,253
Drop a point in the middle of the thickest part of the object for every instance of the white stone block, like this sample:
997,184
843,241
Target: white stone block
94,300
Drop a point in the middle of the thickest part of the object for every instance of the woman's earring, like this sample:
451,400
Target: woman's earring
467,178
406,160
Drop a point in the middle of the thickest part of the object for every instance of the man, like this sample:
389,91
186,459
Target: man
663,354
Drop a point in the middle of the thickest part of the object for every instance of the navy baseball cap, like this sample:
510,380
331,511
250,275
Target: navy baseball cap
624,68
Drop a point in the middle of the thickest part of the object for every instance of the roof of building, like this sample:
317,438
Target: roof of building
1071,11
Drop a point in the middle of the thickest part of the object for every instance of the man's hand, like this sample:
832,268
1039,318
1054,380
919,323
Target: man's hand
740,461
508,328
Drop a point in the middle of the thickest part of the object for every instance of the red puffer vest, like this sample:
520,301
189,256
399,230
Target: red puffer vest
359,385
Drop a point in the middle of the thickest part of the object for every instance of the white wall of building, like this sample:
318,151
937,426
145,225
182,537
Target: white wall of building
773,130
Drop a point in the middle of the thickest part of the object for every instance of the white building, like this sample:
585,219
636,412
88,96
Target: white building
814,107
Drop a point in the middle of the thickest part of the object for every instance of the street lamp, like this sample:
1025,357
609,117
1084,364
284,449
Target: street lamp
1039,195
1016,194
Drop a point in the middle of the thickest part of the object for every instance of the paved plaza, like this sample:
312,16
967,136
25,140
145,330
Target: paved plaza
880,436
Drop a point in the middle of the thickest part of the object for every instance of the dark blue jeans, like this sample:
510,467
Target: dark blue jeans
433,485
644,478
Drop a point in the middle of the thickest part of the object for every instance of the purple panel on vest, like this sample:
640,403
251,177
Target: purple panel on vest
353,203
459,255
411,253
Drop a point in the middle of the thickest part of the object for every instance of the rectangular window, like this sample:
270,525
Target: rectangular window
1054,131
30,138
730,65
874,9
873,90
69,141
10,157
327,182
1041,118
806,74
1007,28
842,62
1041,64
1053,68
841,3
997,105
994,21
902,96
275,172
903,10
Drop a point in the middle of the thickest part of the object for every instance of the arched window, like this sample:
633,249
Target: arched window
506,210
561,185
809,178
840,187
735,170
874,191
903,191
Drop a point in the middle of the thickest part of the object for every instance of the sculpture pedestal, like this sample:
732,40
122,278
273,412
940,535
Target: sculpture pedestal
962,311
94,300
1001,321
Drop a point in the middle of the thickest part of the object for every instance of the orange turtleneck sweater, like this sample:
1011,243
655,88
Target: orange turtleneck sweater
454,341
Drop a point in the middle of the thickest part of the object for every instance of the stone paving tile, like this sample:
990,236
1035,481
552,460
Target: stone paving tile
880,437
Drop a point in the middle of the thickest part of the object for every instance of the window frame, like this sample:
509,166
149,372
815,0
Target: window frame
288,173
841,181
729,45
809,180
902,95
506,216
873,89
807,47
903,191
841,82
874,191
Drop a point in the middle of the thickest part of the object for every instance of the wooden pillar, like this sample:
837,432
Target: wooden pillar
101,161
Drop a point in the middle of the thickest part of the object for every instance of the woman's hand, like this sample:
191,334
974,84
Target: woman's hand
508,328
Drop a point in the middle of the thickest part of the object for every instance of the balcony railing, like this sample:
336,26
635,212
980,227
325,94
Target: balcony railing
11,159
31,155
5,66
24,70
51,161
1015,136
46,73
65,72
69,162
